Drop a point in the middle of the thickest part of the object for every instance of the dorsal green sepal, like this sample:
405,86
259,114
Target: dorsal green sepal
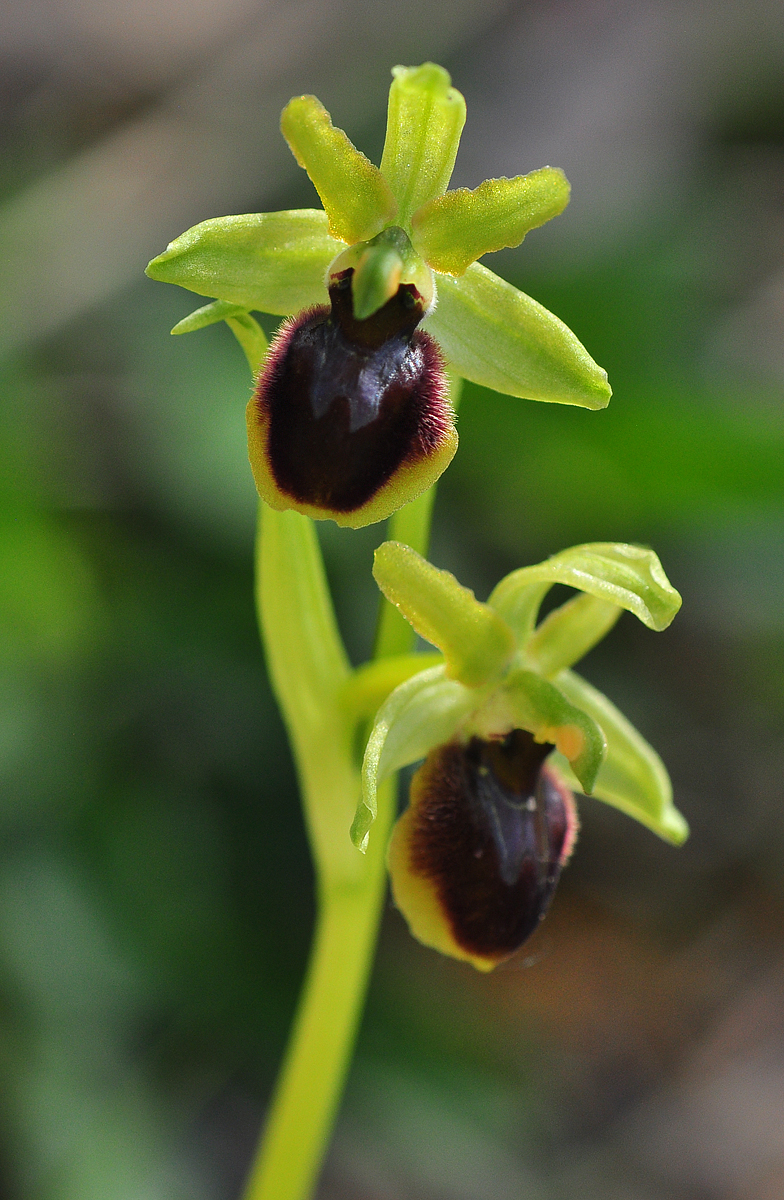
475,642
424,121
629,576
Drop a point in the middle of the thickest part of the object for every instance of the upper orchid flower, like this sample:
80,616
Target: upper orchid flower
351,416
475,858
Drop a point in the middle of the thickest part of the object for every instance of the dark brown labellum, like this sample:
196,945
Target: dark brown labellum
491,827
347,403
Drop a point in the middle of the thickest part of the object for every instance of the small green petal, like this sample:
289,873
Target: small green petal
272,262
423,712
245,328
496,336
475,642
632,777
540,707
208,314
356,196
569,632
454,230
424,121
630,576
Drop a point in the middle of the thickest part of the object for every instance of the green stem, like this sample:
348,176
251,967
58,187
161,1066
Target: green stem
322,1039
308,669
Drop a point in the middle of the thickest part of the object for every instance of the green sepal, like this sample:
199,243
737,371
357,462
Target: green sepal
273,262
569,632
454,230
632,777
496,336
370,684
423,712
629,576
357,198
539,706
425,118
475,642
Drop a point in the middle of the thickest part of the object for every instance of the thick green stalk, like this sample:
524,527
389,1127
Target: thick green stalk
308,669
314,1069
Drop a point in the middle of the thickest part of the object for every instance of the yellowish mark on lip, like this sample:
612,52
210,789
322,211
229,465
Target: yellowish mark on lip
568,739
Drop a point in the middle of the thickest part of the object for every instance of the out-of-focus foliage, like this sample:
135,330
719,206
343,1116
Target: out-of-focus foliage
155,896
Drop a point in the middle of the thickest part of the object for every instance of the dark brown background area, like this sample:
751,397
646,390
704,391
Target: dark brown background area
155,892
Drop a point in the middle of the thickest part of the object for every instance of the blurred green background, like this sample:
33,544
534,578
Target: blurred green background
155,891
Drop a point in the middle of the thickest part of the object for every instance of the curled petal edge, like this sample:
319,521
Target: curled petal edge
475,641
356,196
631,577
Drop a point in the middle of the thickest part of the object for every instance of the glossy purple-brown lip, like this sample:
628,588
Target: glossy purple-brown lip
348,402
492,827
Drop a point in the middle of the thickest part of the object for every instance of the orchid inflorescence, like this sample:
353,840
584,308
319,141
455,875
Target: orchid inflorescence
351,418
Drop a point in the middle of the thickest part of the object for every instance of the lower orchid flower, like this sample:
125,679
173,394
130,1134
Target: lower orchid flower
507,731
351,418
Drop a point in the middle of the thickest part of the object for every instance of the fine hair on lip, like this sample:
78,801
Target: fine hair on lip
348,402
491,826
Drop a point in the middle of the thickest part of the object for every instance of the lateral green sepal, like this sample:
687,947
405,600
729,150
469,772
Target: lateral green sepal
423,712
475,642
425,118
632,777
273,262
496,336
454,230
629,576
540,707
356,197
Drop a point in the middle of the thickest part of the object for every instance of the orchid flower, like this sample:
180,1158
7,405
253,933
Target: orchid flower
475,858
385,299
